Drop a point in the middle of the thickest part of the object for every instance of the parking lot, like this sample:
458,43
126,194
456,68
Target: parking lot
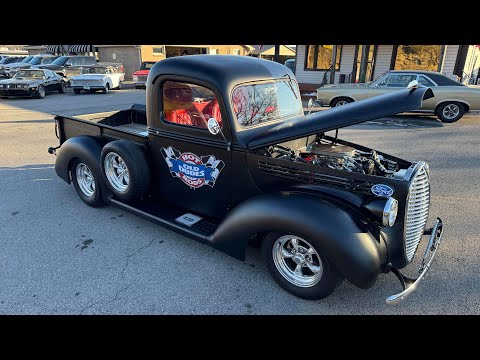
59,256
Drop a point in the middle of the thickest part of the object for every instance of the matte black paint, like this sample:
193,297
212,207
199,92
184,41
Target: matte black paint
247,200
348,244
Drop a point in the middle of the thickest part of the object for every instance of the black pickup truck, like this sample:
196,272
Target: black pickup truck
223,153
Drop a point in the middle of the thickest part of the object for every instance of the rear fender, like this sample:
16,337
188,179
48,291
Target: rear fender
356,254
86,148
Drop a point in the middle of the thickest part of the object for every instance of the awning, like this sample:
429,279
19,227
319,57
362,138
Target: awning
81,48
55,49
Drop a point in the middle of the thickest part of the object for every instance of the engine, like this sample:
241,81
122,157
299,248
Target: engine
339,157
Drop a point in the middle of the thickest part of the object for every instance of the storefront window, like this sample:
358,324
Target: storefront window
418,57
319,57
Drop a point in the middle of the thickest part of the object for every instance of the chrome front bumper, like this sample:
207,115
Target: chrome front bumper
410,285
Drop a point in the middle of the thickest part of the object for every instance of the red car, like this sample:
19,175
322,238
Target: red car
140,76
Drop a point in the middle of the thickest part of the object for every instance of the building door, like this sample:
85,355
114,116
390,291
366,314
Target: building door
364,63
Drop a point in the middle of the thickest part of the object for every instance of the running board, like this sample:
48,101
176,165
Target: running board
175,219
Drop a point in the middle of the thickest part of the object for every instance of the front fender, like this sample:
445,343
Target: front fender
357,255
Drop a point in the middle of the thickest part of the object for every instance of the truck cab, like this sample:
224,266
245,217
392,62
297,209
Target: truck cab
223,153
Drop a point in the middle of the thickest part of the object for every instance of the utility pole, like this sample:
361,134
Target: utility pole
277,53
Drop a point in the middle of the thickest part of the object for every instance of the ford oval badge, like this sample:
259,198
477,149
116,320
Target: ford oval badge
382,190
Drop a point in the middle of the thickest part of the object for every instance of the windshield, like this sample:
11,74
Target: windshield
94,70
147,65
254,104
60,61
34,74
27,59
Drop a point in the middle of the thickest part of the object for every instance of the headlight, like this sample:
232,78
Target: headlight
25,86
390,212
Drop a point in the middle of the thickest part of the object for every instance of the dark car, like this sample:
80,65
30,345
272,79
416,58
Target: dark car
290,63
63,62
32,83
10,69
224,154
9,60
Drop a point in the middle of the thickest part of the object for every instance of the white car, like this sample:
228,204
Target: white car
94,78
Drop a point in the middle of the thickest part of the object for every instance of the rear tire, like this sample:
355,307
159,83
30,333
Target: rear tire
316,279
125,169
341,101
106,89
77,91
83,178
450,112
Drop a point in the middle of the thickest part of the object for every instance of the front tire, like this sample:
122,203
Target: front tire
106,89
63,87
298,266
341,101
450,112
40,92
125,169
87,187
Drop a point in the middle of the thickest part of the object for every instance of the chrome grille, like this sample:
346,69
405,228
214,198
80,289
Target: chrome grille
416,212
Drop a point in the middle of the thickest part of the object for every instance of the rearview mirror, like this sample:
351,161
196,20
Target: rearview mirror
412,84
310,106
213,126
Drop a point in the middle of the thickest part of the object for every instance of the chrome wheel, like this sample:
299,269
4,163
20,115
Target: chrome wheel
85,179
297,261
41,91
451,111
117,172
341,103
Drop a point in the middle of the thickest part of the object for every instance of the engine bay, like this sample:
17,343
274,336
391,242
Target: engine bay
328,153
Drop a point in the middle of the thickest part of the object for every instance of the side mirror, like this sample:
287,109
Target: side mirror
310,106
413,83
213,126
68,64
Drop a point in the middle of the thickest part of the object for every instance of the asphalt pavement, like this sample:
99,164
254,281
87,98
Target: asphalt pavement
59,256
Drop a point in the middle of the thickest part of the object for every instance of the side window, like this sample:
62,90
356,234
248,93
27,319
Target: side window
384,81
76,61
89,61
422,80
189,104
50,74
400,80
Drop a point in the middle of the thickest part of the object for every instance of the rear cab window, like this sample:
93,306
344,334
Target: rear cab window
261,102
189,104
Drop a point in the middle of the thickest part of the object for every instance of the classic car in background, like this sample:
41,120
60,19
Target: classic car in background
452,99
63,63
140,76
32,83
94,78
10,69
78,70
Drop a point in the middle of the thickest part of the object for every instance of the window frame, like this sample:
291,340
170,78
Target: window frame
162,113
243,127
315,58
162,53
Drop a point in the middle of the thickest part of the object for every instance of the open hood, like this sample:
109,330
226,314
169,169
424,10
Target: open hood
337,117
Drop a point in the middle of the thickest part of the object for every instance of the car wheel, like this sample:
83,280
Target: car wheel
299,266
40,92
63,87
85,184
77,91
341,102
106,89
450,112
125,168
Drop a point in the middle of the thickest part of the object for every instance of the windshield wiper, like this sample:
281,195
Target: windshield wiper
291,85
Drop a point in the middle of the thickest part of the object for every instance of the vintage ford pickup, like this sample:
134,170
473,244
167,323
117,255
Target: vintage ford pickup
224,154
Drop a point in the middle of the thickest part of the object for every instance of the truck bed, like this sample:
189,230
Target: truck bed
129,124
